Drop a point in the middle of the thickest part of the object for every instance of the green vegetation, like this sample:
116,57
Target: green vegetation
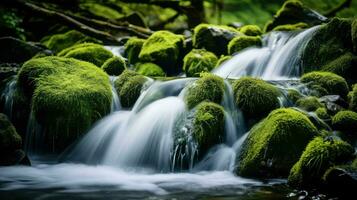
101,10
9,139
255,97
11,24
309,103
222,60
275,144
149,69
345,121
241,42
93,53
294,95
208,88
132,49
322,113
319,155
352,97
291,27
251,30
114,66
198,61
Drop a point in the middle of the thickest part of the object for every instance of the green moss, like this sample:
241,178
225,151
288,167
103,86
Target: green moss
162,48
222,60
354,34
129,85
213,38
114,66
93,53
10,23
309,103
149,69
352,98
345,121
208,125
9,139
291,27
322,113
343,66
294,95
208,88
251,30
275,144
255,97
198,61
101,10
318,156
132,49
68,96
334,84
58,42
241,42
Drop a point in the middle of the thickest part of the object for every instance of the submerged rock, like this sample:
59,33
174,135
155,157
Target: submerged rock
198,61
114,66
275,144
132,49
241,42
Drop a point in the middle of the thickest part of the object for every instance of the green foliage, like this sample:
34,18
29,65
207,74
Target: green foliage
68,96
93,53
222,60
291,27
9,139
255,97
60,41
114,66
149,69
132,49
10,24
352,97
198,61
345,121
318,156
294,95
322,113
334,84
101,10
208,88
241,42
162,48
309,103
208,125
275,144
251,30
213,38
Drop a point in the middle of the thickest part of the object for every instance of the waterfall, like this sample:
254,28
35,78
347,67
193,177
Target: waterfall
7,96
278,58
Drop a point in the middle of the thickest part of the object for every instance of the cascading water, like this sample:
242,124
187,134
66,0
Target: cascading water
7,96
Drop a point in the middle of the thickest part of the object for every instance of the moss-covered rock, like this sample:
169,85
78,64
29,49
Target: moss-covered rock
163,48
100,10
114,66
291,27
309,103
129,85
149,69
61,41
208,88
90,52
222,60
132,49
352,98
345,121
68,96
241,42
345,66
208,125
9,139
198,61
323,114
354,35
275,144
293,12
255,97
213,38
251,30
334,84
319,155
294,95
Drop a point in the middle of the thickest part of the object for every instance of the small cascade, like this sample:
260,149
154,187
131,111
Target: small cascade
278,58
116,101
7,96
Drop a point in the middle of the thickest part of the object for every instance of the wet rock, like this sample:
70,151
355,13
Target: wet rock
333,103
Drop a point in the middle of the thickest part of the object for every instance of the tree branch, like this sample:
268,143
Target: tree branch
334,11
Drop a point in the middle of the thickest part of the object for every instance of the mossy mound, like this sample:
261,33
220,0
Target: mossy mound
334,84
93,53
132,49
101,10
241,42
275,144
345,66
309,103
61,41
291,27
319,155
354,35
68,96
208,88
114,66
352,98
198,61
129,85
294,95
222,60
163,48
251,30
9,139
149,69
208,125
323,114
213,38
255,97
345,121
293,12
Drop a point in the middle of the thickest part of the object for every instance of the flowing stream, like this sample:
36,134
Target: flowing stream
128,154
